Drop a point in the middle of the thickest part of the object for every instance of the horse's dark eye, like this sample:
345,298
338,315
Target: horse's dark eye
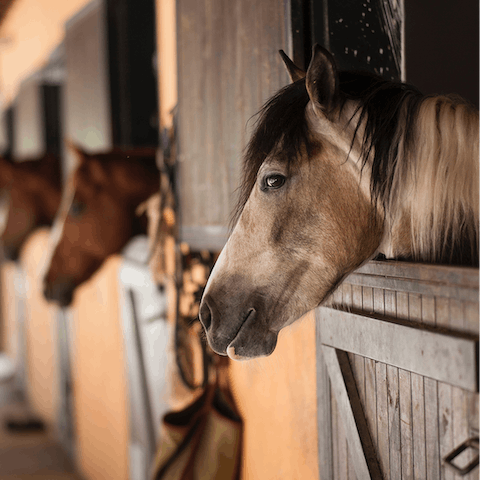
274,181
77,208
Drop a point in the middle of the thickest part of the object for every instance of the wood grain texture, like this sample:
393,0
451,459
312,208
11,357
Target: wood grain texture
228,66
425,418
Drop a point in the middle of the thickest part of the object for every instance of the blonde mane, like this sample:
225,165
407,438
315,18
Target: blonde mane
436,182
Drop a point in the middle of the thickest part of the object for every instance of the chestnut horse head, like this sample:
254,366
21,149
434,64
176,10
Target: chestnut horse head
31,193
97,216
341,167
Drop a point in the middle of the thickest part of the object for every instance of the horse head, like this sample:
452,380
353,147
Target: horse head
30,192
331,178
97,216
306,219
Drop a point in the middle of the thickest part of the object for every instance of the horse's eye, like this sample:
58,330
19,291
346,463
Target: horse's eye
77,208
274,181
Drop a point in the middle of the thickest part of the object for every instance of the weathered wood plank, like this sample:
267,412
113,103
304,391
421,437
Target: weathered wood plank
444,357
472,325
431,429
335,427
445,420
402,305
418,427
460,421
418,400
370,401
445,426
228,65
394,432
459,397
341,470
443,274
405,394
394,437
381,394
367,299
383,443
359,362
418,287
350,409
432,416
347,296
415,307
428,310
406,423
431,402
371,398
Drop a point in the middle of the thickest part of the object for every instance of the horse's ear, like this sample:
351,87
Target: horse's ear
322,81
294,72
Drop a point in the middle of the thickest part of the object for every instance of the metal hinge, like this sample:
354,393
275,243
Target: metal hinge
448,460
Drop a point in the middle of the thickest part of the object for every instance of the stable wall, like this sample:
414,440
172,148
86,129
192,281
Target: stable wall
40,330
99,377
9,310
31,30
277,399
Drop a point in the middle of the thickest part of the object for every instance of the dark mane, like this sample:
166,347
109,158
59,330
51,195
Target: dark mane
281,126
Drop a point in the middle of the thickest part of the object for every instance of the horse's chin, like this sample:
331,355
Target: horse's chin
242,347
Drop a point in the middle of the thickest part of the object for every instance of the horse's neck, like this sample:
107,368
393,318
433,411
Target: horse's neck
433,206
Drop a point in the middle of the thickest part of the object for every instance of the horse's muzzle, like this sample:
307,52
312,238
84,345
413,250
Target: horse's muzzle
11,253
59,292
238,332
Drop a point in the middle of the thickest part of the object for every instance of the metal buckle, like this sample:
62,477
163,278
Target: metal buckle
448,460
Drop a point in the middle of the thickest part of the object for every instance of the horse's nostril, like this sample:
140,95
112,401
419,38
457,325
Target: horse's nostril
58,292
47,291
11,253
205,315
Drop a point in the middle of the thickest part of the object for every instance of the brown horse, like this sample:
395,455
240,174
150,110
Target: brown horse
341,167
97,216
31,193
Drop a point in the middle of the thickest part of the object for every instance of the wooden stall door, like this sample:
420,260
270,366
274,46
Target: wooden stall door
398,373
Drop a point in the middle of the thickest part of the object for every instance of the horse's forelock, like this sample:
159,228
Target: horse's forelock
280,129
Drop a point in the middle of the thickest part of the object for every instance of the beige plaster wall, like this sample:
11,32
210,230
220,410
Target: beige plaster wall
31,30
100,378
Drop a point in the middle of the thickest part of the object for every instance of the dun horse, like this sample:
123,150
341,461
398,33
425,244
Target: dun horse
30,192
97,216
341,167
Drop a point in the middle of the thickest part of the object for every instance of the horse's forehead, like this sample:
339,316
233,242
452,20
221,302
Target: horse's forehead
274,161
